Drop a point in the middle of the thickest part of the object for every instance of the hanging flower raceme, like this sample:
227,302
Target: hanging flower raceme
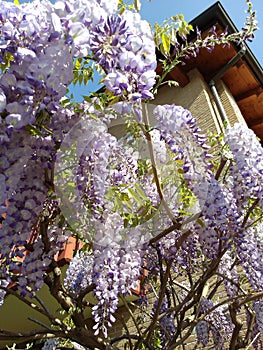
115,271
124,47
106,280
249,246
93,172
247,164
24,206
79,273
180,131
220,219
33,268
113,267
166,321
24,26
202,332
37,83
228,269
40,59
217,322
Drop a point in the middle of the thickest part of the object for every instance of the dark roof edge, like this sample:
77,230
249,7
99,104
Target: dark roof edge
217,14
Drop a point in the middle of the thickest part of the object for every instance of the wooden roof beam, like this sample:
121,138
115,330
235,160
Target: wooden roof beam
256,91
255,122
176,74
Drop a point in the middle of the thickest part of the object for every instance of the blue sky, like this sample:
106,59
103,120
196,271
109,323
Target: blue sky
159,10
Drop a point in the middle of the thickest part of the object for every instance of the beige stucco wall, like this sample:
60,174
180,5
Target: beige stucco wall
197,97
232,110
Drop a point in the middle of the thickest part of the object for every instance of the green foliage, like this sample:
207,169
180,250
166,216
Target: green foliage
132,203
137,5
167,34
8,58
84,71
132,5
157,343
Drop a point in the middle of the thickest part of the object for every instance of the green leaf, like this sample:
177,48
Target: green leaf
172,83
77,64
137,5
200,222
33,130
87,99
133,194
166,43
140,192
118,204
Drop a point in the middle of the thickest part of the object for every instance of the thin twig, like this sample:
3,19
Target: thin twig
250,210
42,304
30,336
148,137
249,346
30,304
250,326
124,336
132,315
40,324
222,164
164,233
238,326
150,329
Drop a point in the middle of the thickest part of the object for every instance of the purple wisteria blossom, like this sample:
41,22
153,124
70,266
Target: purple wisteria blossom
247,164
123,46
146,199
36,84
249,246
167,321
93,173
228,269
215,231
24,206
180,131
106,279
116,267
3,283
258,308
79,273
202,332
218,322
34,266
114,271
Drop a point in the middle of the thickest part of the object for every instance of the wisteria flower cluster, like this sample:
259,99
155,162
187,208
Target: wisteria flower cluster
247,166
167,326
179,129
215,322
